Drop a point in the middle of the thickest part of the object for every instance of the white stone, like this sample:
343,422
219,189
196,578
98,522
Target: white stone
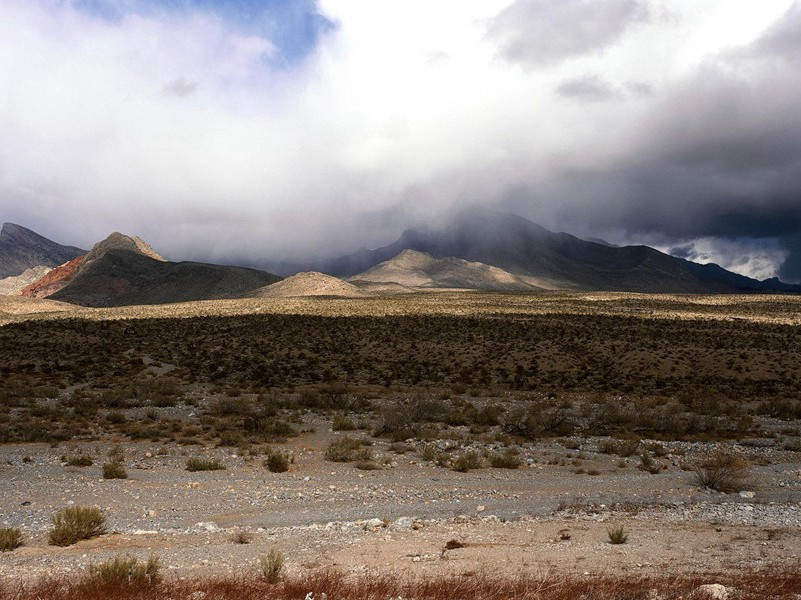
715,591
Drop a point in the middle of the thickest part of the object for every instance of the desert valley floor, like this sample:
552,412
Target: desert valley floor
451,433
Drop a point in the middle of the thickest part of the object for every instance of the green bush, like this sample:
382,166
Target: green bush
76,523
347,449
277,462
127,570
10,538
507,460
467,461
204,464
343,424
114,470
272,566
617,535
78,460
619,447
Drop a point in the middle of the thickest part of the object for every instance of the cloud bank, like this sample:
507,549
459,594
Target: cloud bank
257,131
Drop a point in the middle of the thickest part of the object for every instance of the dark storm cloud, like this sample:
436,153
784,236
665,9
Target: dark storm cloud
589,88
541,32
719,156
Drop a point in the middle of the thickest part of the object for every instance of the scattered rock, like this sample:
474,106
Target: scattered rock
715,591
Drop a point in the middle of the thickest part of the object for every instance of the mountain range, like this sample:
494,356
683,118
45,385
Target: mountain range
476,250
551,260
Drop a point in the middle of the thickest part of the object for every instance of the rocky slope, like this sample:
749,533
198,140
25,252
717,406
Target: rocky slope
411,268
123,270
16,283
308,284
53,280
22,249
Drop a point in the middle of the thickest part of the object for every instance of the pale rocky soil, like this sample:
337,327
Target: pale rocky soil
540,518
758,308
311,283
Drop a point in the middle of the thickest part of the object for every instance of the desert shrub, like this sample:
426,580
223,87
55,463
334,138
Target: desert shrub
619,447
127,570
347,449
427,452
203,464
648,464
277,462
114,470
10,538
78,460
75,523
723,472
230,438
539,419
271,566
467,461
343,424
507,460
242,537
617,535
117,454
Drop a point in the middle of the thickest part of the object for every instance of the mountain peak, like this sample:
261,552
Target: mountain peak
22,249
120,241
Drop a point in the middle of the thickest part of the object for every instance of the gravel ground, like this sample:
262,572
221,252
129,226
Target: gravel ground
541,516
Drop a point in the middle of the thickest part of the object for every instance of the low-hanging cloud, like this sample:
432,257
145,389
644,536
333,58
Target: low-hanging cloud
189,130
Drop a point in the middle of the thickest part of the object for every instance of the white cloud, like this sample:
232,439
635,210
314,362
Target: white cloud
177,128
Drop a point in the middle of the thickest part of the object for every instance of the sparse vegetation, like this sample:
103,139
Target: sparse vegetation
122,571
76,523
466,462
348,449
114,470
10,538
78,460
277,462
271,566
722,471
506,460
763,584
203,464
617,535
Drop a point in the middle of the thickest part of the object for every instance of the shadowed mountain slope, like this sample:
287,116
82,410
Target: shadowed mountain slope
22,249
556,260
123,270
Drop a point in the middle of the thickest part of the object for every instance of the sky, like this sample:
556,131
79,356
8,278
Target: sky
256,131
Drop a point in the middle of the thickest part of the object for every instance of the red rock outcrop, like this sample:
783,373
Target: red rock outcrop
54,280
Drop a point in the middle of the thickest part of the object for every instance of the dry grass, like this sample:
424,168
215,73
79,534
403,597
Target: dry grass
76,523
10,538
762,585
723,472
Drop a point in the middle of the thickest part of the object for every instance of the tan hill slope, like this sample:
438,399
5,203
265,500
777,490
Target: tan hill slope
16,283
310,283
416,269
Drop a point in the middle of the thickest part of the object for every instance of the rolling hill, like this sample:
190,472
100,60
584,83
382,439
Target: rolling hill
415,269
